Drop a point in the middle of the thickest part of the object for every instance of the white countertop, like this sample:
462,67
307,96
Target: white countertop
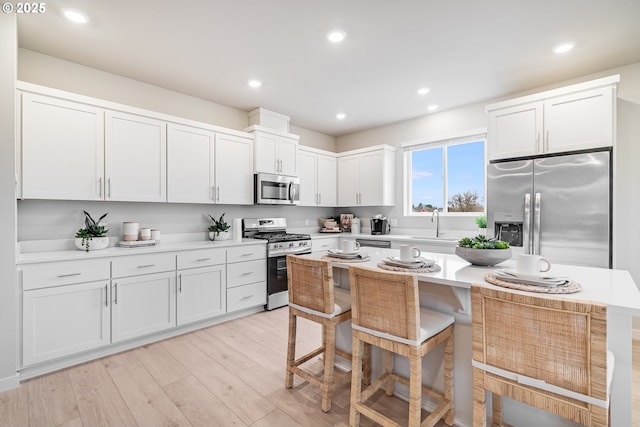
615,288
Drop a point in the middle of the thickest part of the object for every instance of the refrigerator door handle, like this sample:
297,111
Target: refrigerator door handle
536,225
526,227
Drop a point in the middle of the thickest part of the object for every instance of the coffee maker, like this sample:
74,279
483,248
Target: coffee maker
380,225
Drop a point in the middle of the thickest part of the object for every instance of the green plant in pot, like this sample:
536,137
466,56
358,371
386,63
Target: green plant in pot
481,221
93,235
219,228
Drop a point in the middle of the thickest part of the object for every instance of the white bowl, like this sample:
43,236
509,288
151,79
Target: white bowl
483,256
94,243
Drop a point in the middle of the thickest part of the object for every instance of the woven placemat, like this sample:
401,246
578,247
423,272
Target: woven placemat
569,288
337,259
434,268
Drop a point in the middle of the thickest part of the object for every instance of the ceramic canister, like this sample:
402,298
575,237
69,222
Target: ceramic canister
130,231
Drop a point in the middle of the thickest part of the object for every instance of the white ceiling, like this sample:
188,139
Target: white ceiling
466,51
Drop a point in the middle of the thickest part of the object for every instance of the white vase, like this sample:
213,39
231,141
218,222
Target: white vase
92,244
223,235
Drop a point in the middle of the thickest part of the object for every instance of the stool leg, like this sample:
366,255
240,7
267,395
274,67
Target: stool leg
388,370
496,403
366,364
356,379
329,358
415,389
291,350
448,379
479,399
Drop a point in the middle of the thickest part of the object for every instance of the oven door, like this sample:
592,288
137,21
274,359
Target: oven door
277,287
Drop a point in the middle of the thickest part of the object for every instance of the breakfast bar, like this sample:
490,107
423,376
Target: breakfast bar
448,290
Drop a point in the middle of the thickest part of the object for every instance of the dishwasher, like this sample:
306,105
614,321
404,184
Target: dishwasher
373,243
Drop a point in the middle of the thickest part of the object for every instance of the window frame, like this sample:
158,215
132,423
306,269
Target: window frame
444,141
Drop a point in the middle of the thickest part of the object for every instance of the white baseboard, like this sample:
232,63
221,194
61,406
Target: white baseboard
635,334
9,383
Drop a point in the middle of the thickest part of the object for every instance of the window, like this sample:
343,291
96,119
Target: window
447,174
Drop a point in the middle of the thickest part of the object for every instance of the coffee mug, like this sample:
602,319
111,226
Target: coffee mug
531,264
409,253
350,246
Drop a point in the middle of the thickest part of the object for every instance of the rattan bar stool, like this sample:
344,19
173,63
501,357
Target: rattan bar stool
547,353
312,296
386,313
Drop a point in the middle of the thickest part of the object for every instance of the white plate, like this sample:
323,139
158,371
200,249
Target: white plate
418,260
341,252
515,273
423,263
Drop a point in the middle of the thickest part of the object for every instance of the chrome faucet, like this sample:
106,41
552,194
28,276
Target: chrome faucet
435,217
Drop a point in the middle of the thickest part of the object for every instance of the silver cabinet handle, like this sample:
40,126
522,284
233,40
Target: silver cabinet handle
146,266
319,198
247,273
247,297
109,187
100,187
247,254
218,193
115,293
180,283
106,295
70,274
202,259
546,142
213,193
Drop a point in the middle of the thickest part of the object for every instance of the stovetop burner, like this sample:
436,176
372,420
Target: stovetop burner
277,236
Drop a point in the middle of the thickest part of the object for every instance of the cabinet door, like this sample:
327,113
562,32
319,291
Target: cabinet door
64,320
307,163
515,131
372,178
288,153
190,177
62,149
201,294
579,121
142,305
266,149
326,180
348,180
135,158
234,170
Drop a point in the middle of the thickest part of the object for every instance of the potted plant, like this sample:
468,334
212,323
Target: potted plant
481,221
219,229
93,235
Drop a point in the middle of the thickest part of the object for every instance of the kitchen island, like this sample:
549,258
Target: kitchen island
449,291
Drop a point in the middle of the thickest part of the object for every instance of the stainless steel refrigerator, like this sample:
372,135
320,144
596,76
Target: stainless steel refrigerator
558,206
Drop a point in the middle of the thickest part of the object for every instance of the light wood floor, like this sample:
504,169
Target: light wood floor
230,374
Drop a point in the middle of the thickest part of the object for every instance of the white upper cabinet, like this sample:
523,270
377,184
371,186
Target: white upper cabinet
571,118
135,158
62,149
317,172
275,152
233,170
366,177
190,154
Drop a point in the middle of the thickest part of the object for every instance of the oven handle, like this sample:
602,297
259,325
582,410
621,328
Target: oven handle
285,252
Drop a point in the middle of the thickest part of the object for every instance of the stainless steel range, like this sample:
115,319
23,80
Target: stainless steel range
279,245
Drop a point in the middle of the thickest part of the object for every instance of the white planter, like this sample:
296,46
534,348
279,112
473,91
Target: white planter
92,244
221,235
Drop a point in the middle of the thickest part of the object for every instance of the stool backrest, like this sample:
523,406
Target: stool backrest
561,342
310,283
385,302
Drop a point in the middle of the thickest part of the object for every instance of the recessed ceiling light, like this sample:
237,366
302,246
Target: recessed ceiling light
432,107
255,83
423,91
563,48
341,116
75,16
336,36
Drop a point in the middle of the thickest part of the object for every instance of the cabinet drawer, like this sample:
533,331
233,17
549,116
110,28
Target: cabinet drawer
142,264
242,273
246,253
246,296
200,258
45,275
324,244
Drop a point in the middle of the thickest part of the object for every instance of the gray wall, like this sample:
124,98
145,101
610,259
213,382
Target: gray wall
8,285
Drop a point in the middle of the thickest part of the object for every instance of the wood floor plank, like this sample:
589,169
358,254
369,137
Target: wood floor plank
200,406
14,407
276,418
230,358
51,400
160,364
99,401
224,384
145,398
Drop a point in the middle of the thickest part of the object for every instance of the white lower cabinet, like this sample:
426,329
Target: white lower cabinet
142,305
63,320
246,277
201,285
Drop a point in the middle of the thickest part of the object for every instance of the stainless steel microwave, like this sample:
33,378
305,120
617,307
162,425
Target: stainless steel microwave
276,189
